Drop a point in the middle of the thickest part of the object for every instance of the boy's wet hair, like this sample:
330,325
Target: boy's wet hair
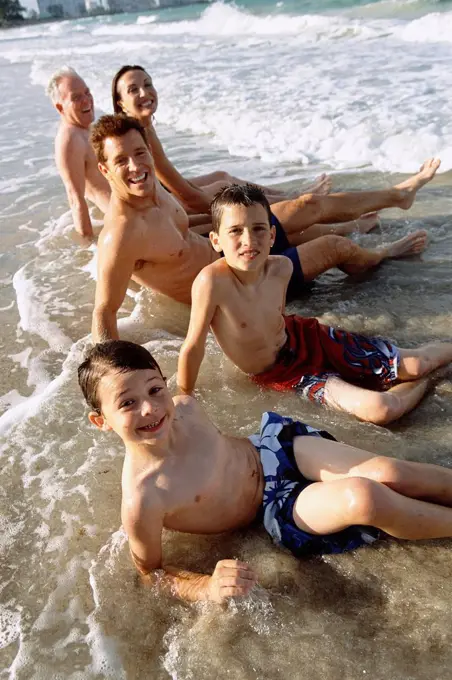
117,356
113,126
114,84
237,194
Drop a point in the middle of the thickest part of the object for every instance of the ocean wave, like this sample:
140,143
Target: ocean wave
220,20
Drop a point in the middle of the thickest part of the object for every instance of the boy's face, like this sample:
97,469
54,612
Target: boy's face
245,236
136,405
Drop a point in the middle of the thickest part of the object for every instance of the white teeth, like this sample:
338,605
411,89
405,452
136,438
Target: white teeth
138,179
151,425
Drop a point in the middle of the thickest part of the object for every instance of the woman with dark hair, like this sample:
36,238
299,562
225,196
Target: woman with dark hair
134,94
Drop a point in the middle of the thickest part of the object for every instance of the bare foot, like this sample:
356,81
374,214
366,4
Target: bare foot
367,222
321,185
411,186
410,245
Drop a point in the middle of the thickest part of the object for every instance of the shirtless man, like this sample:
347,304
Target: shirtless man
74,156
147,237
315,495
242,297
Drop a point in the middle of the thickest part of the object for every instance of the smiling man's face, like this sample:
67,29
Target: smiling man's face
75,103
128,165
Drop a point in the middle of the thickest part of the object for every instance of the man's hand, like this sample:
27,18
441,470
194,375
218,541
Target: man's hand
231,578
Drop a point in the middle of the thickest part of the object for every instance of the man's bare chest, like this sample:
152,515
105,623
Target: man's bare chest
161,241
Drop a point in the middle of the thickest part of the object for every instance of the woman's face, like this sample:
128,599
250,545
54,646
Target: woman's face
137,95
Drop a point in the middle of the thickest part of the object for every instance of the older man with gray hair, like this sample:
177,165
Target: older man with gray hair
74,156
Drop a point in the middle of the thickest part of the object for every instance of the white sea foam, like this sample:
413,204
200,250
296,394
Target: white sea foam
33,315
341,104
146,19
9,625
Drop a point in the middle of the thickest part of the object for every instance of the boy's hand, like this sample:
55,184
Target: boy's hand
231,578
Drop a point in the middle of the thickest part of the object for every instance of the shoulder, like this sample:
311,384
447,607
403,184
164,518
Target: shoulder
213,277
70,138
120,228
280,266
186,405
189,408
141,502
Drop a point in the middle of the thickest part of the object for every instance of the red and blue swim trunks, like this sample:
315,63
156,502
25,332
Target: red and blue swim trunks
314,352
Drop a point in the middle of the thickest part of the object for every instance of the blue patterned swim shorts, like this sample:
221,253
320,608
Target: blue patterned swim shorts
283,484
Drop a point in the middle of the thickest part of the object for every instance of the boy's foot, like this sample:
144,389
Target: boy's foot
411,186
408,246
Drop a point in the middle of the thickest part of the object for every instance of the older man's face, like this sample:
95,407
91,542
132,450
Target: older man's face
76,103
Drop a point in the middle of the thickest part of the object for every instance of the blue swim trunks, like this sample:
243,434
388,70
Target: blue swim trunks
297,284
284,483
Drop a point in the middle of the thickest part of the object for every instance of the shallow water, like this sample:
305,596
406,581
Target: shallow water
70,605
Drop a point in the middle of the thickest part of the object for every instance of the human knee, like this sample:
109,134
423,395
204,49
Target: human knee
417,366
382,409
384,470
339,247
362,499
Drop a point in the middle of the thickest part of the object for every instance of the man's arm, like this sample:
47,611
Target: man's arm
188,194
70,159
116,260
201,224
144,525
203,308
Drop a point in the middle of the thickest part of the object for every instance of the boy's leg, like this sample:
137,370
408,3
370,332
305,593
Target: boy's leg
380,408
327,507
415,363
324,460
331,251
300,213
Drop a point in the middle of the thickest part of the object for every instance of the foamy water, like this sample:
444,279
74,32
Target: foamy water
271,94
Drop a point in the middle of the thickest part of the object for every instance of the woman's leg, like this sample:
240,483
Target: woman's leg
362,225
212,182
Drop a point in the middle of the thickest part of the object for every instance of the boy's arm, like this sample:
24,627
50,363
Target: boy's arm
70,159
144,526
114,269
203,308
283,270
190,195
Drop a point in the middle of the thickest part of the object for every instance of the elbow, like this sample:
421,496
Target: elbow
104,324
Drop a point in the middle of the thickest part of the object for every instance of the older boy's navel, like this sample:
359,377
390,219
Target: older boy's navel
243,325
197,499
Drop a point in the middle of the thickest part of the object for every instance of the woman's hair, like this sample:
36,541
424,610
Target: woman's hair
114,85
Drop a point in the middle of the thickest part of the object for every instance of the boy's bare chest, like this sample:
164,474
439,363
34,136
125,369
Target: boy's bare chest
252,314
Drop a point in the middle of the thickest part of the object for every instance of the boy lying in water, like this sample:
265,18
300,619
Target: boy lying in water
241,297
313,494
